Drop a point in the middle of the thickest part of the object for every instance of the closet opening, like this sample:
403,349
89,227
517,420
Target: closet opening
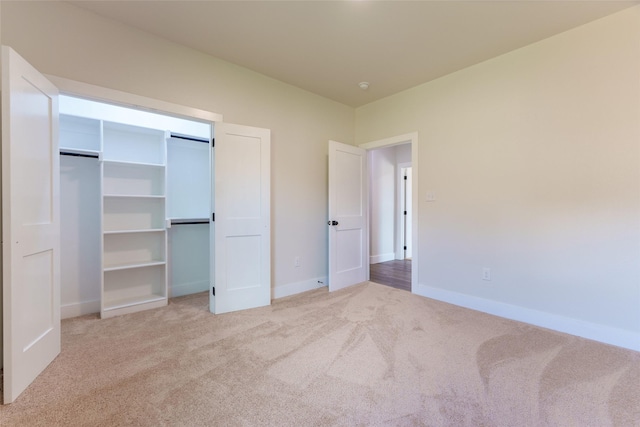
136,207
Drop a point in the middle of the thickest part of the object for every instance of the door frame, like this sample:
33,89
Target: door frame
411,138
400,253
125,99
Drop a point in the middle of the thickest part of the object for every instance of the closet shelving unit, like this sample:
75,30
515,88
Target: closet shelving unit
134,232
133,209
80,136
145,180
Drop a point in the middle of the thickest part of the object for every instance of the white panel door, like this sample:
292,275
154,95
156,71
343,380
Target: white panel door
242,218
30,223
348,230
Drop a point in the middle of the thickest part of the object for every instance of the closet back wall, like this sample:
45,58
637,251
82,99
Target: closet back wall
66,41
80,230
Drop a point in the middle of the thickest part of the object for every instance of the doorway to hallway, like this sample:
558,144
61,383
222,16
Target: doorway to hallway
395,273
390,218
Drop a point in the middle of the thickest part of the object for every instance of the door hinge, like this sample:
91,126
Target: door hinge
213,217
405,177
405,248
405,212
213,291
213,142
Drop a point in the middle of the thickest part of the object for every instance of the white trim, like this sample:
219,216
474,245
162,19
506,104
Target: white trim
399,244
79,309
374,259
298,287
388,142
181,289
98,93
412,138
593,331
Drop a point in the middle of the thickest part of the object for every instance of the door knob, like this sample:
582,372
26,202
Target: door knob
332,222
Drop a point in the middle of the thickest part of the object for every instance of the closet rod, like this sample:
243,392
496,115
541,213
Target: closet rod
192,222
189,138
89,155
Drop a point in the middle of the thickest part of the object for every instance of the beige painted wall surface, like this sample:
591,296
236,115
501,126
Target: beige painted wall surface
534,157
382,204
63,40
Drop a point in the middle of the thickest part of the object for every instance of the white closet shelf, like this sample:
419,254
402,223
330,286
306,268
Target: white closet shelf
119,306
144,230
125,163
126,266
80,151
135,196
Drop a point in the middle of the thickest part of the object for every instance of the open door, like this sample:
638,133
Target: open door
348,200
242,169
30,223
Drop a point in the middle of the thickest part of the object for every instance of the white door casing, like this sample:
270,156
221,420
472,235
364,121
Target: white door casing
212,224
408,218
242,217
30,223
411,138
348,220
404,220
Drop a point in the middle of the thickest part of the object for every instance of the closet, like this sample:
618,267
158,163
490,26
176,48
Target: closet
136,208
104,226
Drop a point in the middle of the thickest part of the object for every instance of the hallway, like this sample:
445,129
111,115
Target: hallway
396,273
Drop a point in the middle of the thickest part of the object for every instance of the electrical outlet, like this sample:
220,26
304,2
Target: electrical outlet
296,261
431,196
486,273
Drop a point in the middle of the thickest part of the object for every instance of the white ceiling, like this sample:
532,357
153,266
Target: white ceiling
328,47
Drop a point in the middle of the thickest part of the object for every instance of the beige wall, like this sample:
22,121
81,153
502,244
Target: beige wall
534,158
63,40
382,204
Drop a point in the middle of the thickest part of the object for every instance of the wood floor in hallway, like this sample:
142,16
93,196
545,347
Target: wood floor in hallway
396,273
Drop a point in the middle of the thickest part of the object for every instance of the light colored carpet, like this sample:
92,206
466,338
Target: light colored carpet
366,356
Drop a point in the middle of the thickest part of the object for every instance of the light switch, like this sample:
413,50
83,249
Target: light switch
431,196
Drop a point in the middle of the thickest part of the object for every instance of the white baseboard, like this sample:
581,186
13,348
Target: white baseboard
592,331
79,309
298,287
374,259
180,289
